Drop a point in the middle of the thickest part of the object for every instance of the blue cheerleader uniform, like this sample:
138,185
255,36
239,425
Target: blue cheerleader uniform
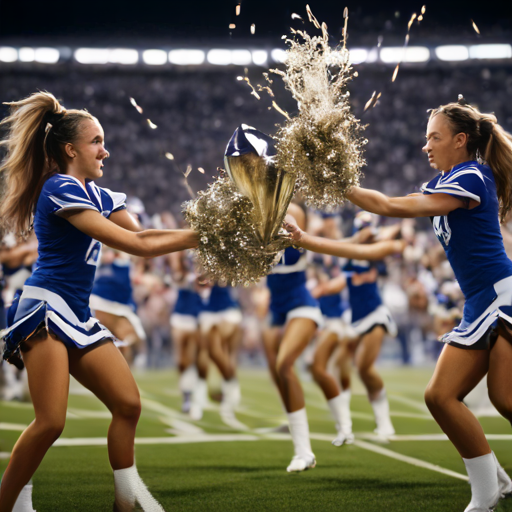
56,295
473,244
289,297
220,307
365,302
113,293
187,309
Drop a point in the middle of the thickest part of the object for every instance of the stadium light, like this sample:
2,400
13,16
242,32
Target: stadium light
241,57
490,51
394,54
8,54
278,55
259,57
92,55
358,55
26,54
452,52
186,57
123,56
154,57
47,55
219,57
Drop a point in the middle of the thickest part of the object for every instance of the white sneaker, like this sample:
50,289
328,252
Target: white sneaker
342,439
385,431
301,463
504,482
231,394
475,507
195,412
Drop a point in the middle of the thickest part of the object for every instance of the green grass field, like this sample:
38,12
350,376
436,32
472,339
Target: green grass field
208,465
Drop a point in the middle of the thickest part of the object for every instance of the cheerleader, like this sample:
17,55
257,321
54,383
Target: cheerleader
53,156
220,321
465,201
185,334
294,318
113,304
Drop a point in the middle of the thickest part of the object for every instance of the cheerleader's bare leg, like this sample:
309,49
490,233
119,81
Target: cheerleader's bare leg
105,372
46,360
327,344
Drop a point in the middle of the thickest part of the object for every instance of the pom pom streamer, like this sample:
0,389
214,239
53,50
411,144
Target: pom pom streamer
323,143
228,249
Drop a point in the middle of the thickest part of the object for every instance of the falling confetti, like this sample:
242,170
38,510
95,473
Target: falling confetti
237,10
407,37
280,110
201,170
253,90
169,156
475,27
372,102
232,26
253,28
153,126
188,171
134,103
295,16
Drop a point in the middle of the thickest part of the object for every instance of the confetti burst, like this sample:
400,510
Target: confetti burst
152,125
134,103
323,143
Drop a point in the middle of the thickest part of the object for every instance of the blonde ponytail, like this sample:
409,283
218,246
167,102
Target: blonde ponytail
36,129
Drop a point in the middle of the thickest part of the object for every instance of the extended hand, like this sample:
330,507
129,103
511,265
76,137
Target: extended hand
290,225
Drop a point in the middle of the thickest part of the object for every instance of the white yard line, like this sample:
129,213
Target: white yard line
13,426
415,404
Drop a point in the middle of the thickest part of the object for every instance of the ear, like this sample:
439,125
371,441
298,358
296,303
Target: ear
70,150
461,139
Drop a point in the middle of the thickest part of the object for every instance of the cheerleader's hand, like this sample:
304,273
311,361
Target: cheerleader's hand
290,224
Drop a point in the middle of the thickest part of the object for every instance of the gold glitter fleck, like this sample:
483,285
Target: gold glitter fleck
152,125
134,103
475,27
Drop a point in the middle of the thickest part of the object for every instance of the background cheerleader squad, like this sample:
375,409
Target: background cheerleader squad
223,423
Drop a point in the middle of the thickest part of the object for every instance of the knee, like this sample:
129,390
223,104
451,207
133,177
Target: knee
435,398
129,408
363,369
503,403
50,428
318,372
283,367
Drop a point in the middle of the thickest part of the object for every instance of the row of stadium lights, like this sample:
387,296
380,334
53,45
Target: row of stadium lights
223,57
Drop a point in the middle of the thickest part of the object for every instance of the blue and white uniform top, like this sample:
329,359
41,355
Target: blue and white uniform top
473,244
289,297
366,305
57,293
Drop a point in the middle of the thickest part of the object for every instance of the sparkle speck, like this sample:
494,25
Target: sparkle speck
152,125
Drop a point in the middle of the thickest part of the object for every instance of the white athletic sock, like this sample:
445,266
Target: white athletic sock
340,410
504,481
231,392
24,501
381,412
483,477
200,393
299,430
188,380
130,489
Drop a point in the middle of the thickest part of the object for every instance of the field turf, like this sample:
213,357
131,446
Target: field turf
211,466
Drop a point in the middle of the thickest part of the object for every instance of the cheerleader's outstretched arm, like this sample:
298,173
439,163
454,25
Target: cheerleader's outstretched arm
417,205
148,243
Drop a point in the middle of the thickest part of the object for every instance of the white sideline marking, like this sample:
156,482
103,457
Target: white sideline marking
88,414
416,404
203,438
13,426
231,421
180,427
409,460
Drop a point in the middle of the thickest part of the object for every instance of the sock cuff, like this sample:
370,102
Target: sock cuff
297,416
480,458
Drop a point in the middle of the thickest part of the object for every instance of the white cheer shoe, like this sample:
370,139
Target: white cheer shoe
342,439
301,463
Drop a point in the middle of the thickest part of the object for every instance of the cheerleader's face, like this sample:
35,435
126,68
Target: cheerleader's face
444,148
88,152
